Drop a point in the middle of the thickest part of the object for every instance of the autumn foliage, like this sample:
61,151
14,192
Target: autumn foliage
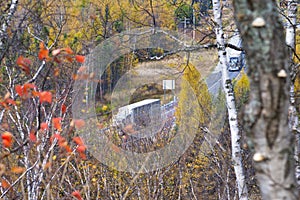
77,195
7,139
44,52
42,156
24,64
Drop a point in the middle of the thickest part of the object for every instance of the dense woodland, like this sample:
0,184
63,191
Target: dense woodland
246,137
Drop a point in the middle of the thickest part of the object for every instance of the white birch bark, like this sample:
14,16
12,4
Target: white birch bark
266,114
290,41
12,10
230,101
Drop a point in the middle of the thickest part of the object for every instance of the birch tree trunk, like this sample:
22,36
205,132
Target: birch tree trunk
230,101
266,115
7,19
290,41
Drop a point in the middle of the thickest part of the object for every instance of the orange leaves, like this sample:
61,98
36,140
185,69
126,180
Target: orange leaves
63,108
81,147
10,101
26,86
45,97
69,58
24,63
44,126
57,123
32,136
22,91
68,50
19,90
79,123
18,170
47,165
66,53
56,71
6,102
6,136
42,45
78,141
44,52
61,142
56,136
7,139
2,169
79,58
4,184
77,195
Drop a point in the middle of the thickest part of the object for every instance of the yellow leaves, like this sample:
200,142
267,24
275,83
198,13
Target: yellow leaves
296,60
297,81
104,108
242,86
193,87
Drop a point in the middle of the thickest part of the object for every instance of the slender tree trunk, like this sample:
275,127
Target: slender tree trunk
230,101
266,115
290,41
7,19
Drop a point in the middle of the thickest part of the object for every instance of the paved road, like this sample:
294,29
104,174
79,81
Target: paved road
214,80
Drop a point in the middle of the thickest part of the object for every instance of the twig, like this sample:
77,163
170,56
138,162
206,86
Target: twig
20,177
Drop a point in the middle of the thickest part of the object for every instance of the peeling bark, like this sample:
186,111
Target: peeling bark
6,23
290,37
230,103
266,115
